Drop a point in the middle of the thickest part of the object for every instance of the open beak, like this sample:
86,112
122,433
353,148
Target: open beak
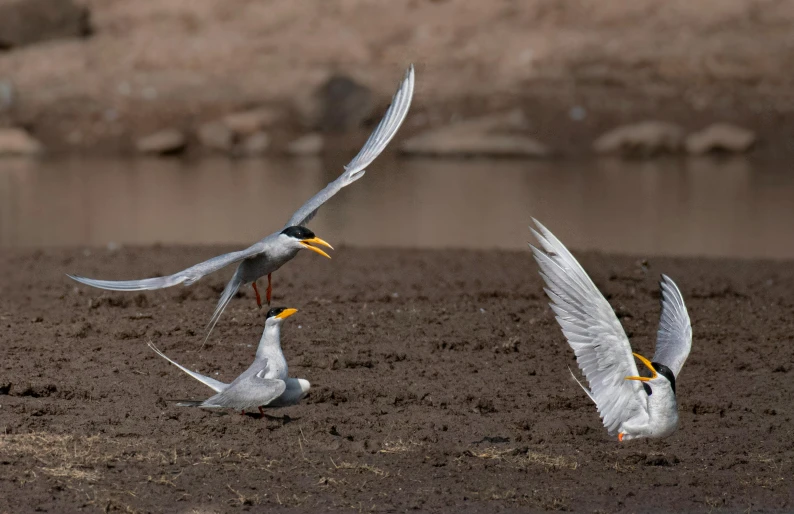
648,365
318,241
286,313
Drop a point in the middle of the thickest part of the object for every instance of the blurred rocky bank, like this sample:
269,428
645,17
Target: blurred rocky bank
521,78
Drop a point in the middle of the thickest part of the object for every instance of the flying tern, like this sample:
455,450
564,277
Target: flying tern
264,384
272,252
630,406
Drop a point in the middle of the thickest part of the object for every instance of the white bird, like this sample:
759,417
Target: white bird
272,252
630,406
264,384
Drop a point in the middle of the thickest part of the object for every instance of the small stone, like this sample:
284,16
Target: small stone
16,142
7,95
165,142
215,136
720,137
309,144
255,145
497,135
641,139
246,123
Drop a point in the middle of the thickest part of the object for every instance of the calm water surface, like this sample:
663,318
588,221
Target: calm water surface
733,207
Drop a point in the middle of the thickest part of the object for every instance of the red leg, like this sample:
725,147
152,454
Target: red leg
269,288
262,412
258,298
242,413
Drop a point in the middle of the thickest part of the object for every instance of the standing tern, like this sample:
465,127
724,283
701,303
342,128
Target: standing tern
263,385
272,252
630,406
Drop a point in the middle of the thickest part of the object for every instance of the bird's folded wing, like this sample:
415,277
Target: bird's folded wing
602,349
248,392
216,385
674,338
186,276
376,143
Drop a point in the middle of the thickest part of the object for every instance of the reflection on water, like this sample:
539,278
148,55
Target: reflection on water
694,207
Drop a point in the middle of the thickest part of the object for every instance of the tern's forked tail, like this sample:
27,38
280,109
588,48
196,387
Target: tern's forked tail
228,293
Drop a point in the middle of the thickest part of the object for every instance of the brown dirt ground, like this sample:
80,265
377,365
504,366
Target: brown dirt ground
440,383
157,63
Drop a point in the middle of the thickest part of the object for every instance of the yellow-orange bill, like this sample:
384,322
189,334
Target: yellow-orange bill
647,365
286,313
315,249
318,241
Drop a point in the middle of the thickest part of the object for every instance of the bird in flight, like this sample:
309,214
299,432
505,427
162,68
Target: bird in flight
269,254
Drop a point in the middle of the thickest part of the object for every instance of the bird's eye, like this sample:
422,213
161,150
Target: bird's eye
647,388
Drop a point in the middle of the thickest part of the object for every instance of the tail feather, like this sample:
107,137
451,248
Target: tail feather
228,293
188,403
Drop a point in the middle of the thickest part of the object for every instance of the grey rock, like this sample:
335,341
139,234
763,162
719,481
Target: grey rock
215,136
339,104
309,144
23,22
645,138
17,142
165,142
254,145
499,135
246,123
720,137
7,95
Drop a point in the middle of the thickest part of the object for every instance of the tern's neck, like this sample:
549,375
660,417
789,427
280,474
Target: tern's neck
270,349
270,342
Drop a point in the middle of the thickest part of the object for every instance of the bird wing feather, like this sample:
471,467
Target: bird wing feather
187,276
593,331
376,143
215,385
249,390
674,338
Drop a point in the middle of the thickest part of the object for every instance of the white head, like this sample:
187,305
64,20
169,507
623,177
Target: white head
298,238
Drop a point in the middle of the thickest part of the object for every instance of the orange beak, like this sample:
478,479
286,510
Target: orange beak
286,313
648,365
318,241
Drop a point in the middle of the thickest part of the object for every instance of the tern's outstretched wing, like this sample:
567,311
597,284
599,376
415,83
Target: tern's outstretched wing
187,276
593,331
216,385
376,143
249,390
674,338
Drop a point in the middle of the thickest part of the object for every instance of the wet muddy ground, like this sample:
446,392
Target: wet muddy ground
440,383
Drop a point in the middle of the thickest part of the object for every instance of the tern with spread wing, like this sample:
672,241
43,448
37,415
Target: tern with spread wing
264,384
272,252
631,406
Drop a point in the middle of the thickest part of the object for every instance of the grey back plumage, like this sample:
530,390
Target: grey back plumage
248,391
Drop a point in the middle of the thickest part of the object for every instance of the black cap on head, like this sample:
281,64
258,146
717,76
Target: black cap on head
275,311
298,232
666,373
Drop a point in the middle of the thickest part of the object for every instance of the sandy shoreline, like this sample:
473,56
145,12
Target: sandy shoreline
151,65
440,383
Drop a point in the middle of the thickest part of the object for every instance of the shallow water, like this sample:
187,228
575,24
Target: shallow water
714,207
